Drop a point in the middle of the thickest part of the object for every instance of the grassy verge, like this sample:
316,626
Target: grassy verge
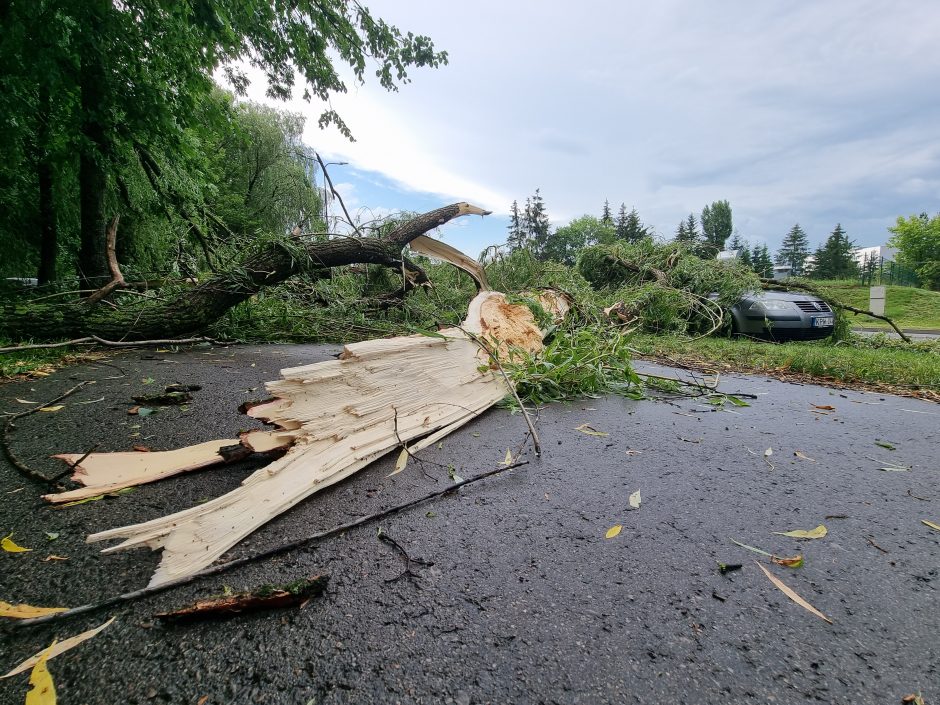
908,306
854,362
37,363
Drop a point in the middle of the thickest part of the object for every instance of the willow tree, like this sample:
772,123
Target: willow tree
112,81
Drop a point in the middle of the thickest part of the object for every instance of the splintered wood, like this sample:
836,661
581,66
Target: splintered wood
337,416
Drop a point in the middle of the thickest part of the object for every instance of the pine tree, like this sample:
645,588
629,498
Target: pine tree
739,245
688,232
526,224
516,238
622,222
761,262
835,258
794,250
539,223
634,230
606,217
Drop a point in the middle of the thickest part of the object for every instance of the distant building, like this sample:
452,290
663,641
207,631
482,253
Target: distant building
874,254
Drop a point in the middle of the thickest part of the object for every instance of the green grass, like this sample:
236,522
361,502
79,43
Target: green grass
874,362
907,306
33,361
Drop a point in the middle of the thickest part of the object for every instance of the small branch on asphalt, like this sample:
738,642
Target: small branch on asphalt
277,550
875,545
407,572
8,426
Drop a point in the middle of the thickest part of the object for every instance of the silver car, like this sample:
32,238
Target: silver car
782,315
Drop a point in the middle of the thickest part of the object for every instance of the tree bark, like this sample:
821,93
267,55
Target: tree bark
193,310
48,232
92,179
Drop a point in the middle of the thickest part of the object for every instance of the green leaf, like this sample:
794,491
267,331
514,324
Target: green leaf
883,444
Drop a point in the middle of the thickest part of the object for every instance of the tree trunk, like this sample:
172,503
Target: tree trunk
192,311
48,233
92,179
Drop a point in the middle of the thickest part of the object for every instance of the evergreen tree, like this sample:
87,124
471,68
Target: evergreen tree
688,232
539,223
716,227
516,237
739,245
526,224
794,250
606,217
634,230
835,258
621,232
761,262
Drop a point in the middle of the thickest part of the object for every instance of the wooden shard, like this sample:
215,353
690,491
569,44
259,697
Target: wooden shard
346,413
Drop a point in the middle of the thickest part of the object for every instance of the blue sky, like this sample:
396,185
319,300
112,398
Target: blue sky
814,113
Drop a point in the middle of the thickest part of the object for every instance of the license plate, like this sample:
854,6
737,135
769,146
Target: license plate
822,322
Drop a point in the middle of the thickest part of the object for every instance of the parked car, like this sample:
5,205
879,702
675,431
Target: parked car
782,315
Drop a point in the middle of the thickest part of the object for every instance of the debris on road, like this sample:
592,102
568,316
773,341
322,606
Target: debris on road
58,648
26,611
817,533
264,598
791,594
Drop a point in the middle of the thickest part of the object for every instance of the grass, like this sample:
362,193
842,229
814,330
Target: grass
876,361
908,306
34,362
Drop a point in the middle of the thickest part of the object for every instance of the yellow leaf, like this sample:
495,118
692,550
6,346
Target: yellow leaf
7,544
816,533
26,611
930,524
58,648
792,595
799,454
588,430
613,531
401,462
635,500
52,408
41,689
508,459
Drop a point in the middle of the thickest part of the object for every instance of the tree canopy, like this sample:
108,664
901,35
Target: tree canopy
917,239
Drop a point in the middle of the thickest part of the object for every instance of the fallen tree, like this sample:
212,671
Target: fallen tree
191,310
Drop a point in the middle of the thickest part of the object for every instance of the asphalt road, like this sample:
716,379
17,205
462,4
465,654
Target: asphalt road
526,601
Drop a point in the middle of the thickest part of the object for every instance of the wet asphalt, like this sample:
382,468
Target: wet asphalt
526,601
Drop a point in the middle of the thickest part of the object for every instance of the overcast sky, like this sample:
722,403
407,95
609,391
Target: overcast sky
814,113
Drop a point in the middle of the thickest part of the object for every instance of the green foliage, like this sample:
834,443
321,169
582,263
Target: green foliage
761,262
794,250
665,286
716,227
631,228
917,239
564,244
835,259
579,362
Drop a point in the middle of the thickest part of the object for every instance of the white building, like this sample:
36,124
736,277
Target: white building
877,253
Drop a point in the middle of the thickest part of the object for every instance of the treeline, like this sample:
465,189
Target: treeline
710,233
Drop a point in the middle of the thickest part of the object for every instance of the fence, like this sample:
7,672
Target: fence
879,271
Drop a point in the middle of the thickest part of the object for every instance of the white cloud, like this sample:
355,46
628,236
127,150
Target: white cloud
809,112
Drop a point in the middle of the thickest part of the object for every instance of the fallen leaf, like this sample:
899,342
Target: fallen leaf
400,463
26,611
203,700
635,500
632,452
768,452
795,562
133,411
41,689
824,407
508,459
52,535
588,430
891,467
54,557
147,380
877,443
145,411
816,533
8,545
141,449
799,454
728,567
59,648
935,527
913,699
792,595
53,408
26,401
91,401
690,440
613,531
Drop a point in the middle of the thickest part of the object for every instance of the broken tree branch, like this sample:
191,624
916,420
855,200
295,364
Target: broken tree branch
95,340
277,550
326,175
117,279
